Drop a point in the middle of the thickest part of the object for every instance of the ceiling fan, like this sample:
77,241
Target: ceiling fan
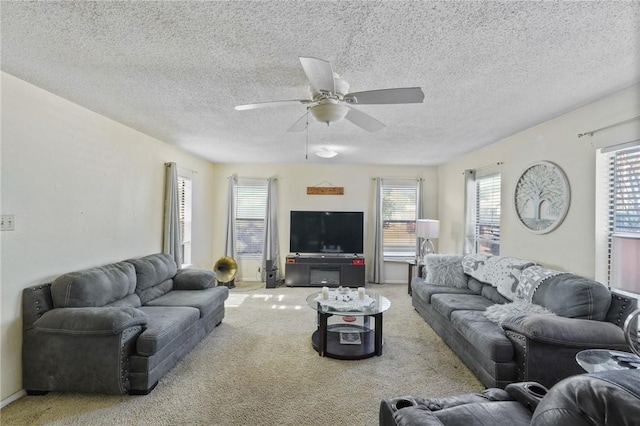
331,101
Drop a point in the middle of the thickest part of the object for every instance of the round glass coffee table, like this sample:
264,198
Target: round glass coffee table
593,360
345,329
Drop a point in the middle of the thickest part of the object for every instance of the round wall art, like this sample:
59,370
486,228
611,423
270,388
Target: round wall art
542,197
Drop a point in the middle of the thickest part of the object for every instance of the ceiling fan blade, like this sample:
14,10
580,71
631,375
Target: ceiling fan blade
400,95
363,120
301,124
319,73
273,103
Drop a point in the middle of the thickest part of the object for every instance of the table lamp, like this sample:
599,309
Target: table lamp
427,229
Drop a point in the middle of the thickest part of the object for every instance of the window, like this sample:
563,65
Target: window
399,214
251,206
184,198
487,226
623,232
624,202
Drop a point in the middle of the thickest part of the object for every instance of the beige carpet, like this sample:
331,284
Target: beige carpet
259,368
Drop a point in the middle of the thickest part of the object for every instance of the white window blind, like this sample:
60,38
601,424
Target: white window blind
185,202
624,201
623,236
399,206
487,229
251,206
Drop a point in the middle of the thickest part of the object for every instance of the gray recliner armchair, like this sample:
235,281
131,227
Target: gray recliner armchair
603,398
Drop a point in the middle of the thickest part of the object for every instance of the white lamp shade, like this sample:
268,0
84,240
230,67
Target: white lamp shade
427,228
625,262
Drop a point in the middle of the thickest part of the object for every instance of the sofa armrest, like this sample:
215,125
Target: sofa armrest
545,346
560,331
89,321
194,279
81,350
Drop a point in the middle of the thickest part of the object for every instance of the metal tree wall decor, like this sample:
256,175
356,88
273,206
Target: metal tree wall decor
542,197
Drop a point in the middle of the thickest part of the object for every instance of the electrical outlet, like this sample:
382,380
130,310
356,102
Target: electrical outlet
7,222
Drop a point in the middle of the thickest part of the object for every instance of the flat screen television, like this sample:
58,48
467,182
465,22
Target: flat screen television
326,232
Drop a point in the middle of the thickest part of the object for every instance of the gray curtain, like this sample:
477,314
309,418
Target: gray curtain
469,245
230,244
172,238
419,209
271,248
377,268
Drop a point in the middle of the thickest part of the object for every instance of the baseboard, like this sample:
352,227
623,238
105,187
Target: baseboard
12,398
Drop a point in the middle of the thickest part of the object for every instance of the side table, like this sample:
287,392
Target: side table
412,264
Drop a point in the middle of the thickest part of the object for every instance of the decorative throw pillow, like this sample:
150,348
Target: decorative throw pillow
445,270
499,313
473,265
504,272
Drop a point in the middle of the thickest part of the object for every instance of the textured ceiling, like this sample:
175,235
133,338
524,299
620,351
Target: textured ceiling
175,70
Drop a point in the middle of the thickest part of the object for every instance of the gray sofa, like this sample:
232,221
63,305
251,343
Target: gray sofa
603,398
510,320
116,328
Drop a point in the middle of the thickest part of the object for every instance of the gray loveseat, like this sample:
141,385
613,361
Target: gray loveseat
116,328
540,318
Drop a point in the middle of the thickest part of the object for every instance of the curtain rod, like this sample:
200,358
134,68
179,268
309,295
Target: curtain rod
388,177
195,172
591,132
488,166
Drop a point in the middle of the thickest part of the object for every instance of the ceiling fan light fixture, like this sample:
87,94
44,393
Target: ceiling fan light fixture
329,112
326,153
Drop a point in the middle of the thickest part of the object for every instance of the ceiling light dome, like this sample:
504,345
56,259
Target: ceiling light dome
326,153
329,111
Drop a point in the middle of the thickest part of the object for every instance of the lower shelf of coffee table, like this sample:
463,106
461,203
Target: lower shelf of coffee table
337,350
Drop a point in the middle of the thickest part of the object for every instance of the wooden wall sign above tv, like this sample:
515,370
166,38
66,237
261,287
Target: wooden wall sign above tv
325,190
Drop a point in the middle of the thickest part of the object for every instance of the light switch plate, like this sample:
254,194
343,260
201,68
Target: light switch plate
7,222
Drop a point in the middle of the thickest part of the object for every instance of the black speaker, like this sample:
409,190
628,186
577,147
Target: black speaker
272,272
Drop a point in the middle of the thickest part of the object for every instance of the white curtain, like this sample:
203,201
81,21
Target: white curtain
230,245
172,238
377,268
469,245
271,248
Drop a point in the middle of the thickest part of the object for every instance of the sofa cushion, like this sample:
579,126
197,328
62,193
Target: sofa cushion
572,296
485,335
446,270
491,293
445,304
424,291
194,279
164,324
474,285
206,301
93,287
154,275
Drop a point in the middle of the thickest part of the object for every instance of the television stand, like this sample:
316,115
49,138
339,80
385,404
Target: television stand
324,271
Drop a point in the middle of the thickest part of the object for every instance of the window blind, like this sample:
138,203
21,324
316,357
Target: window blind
251,206
624,201
487,227
399,206
184,205
623,233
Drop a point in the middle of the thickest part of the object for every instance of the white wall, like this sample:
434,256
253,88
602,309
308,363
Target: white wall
85,191
571,246
293,180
